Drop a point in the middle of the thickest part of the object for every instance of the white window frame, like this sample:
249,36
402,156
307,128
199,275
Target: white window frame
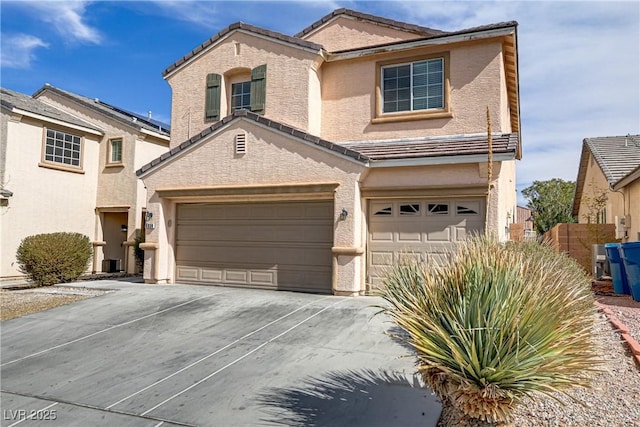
62,149
411,86
110,151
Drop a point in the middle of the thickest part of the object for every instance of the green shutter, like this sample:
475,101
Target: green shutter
258,88
212,98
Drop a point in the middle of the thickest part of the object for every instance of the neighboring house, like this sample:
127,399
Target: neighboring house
610,167
70,162
313,162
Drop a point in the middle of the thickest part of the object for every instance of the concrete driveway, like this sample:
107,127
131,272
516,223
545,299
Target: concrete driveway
167,355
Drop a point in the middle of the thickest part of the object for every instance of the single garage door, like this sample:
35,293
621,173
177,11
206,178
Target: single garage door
420,229
260,245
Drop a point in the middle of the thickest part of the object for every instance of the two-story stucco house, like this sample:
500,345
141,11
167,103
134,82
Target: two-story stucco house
68,164
313,162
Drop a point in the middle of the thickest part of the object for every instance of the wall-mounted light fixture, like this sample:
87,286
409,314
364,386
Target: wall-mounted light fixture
148,215
343,214
124,228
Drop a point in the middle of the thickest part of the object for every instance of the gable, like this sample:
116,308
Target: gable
344,32
277,132
273,37
267,157
348,29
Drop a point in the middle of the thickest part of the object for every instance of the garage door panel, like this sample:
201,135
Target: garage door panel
419,229
272,245
439,235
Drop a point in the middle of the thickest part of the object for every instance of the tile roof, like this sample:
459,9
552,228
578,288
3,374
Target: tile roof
403,26
616,155
246,27
481,28
125,117
281,127
11,99
363,151
440,146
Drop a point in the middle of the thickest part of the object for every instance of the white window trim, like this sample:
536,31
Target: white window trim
411,99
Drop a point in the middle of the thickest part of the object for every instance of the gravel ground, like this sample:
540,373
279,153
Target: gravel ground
16,303
625,309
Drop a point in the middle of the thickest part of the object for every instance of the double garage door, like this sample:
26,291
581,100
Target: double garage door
422,229
284,245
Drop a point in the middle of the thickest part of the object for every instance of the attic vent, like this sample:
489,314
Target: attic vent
241,143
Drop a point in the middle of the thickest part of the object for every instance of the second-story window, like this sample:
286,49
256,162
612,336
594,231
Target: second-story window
413,86
63,148
115,151
241,96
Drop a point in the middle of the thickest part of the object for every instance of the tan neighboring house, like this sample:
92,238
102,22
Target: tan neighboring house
313,162
610,166
69,163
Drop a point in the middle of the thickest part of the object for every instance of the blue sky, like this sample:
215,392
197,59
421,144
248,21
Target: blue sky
579,61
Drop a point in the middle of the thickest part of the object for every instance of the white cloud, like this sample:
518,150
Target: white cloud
68,18
17,50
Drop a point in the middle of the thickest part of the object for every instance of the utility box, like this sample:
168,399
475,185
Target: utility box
599,262
111,265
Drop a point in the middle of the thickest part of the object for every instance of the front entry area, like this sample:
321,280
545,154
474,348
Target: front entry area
423,229
271,245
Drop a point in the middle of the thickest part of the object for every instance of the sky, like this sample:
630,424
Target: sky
579,61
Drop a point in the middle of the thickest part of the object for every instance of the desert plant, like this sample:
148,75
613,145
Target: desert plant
495,323
53,258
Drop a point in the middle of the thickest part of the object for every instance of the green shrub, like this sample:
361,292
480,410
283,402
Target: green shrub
53,258
495,323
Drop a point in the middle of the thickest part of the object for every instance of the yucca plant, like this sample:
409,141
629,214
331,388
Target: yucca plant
495,323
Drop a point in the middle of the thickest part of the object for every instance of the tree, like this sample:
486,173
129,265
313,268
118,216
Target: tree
551,203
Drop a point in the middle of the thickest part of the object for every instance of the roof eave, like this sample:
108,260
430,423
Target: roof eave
440,160
582,173
223,35
508,29
56,121
627,179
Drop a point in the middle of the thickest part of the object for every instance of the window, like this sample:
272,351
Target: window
410,209
383,210
115,151
468,208
247,94
241,96
63,148
413,86
438,208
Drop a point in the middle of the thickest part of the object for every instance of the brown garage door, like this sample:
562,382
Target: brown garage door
420,229
260,245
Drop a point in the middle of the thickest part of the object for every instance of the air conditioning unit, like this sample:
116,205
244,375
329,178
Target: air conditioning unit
622,224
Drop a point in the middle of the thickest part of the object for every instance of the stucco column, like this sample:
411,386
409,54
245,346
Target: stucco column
98,256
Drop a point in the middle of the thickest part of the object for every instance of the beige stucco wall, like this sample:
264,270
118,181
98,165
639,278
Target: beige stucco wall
348,33
289,72
44,200
271,158
476,70
624,202
454,181
595,183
